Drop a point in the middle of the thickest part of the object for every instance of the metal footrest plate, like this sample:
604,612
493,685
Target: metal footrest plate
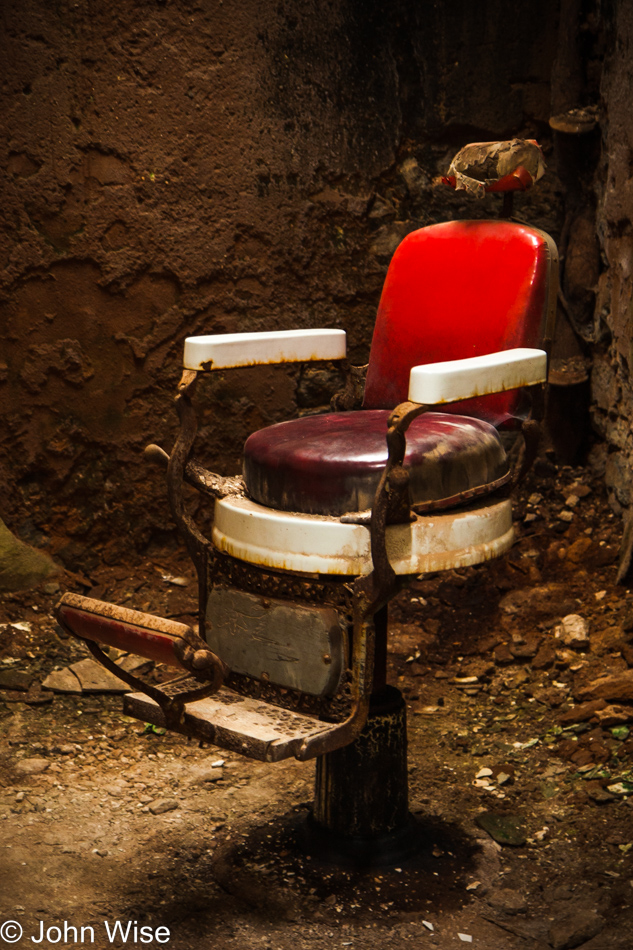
237,723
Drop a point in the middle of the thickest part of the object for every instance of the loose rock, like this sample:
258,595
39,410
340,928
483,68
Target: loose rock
163,805
618,686
573,630
574,928
31,766
504,829
62,681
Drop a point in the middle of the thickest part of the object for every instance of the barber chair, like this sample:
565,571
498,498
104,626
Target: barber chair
335,513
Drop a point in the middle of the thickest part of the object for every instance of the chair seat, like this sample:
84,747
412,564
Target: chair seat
331,464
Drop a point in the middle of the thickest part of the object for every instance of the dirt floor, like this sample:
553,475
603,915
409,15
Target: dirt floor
518,731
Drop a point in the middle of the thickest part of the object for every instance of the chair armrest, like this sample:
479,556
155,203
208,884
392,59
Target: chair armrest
437,383
229,350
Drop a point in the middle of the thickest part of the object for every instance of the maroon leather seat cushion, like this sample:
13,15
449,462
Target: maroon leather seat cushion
331,464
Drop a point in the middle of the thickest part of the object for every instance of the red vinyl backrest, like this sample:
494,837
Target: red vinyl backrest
459,289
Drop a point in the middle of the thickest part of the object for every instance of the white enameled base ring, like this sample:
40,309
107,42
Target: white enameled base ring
315,544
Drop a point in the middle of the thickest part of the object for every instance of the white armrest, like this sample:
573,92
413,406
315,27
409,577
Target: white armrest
477,376
227,350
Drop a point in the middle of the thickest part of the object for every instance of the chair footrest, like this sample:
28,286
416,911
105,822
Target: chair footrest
237,723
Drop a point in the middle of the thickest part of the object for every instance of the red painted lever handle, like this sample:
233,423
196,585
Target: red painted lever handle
128,630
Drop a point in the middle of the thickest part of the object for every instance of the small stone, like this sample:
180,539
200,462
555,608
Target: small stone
577,551
574,927
504,829
581,713
545,657
620,788
550,696
22,625
15,679
94,678
36,696
618,687
524,648
573,630
176,581
415,179
163,805
600,795
518,679
614,715
206,774
565,515
135,664
607,640
507,900
502,655
579,489
62,681
32,766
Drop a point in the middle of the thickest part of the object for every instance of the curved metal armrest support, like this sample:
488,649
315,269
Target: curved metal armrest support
226,351
437,384
197,545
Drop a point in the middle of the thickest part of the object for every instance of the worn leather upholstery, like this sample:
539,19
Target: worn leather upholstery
331,464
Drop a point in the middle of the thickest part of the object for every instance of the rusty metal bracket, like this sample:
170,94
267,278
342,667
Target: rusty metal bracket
196,475
391,505
173,707
197,545
532,433
370,593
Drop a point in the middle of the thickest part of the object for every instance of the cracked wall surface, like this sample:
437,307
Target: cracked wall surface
175,167
612,382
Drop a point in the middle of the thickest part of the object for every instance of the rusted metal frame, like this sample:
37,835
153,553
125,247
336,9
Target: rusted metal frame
172,707
531,432
197,545
361,685
391,506
373,591
196,475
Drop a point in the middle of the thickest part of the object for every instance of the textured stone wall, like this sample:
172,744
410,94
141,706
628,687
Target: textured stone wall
612,384
172,167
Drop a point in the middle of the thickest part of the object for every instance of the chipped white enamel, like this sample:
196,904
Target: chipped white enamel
322,545
437,383
228,350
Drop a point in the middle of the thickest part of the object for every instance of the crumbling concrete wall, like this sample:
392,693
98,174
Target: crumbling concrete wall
612,381
174,167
